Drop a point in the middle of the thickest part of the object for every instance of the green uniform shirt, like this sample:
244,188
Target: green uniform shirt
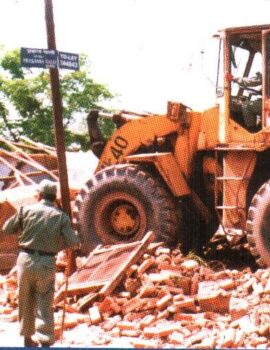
42,227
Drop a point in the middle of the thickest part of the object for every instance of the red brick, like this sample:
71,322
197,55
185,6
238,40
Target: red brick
120,301
110,323
187,304
109,305
227,284
148,291
176,338
149,303
127,325
133,316
238,308
190,265
146,265
147,321
161,331
150,332
174,290
196,338
163,315
183,317
194,284
248,284
132,284
133,304
163,258
207,343
94,314
130,333
216,302
143,343
162,250
164,302
162,292
218,275
124,294
184,283
158,277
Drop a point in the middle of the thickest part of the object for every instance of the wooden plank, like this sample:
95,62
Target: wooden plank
26,158
135,256
105,270
85,301
114,248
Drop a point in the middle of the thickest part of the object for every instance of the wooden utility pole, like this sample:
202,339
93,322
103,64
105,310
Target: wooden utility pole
57,112
58,124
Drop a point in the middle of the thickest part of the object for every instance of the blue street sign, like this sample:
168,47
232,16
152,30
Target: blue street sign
39,58
46,58
68,60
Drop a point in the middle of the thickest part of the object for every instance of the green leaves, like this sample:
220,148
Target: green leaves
25,100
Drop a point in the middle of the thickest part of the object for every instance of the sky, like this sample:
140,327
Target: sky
147,52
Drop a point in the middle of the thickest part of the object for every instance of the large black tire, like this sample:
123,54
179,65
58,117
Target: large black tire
258,225
120,204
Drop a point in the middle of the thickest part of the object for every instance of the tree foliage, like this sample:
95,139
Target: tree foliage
25,100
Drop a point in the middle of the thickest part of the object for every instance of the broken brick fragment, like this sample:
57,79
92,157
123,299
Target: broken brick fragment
147,321
164,302
133,304
125,325
146,265
132,284
217,302
149,290
238,308
94,315
109,305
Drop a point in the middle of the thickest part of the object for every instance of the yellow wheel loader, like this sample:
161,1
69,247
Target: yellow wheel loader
189,172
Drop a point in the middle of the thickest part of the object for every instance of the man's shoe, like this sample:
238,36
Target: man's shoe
30,343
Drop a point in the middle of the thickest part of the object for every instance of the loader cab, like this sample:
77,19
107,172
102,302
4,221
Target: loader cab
245,54
243,78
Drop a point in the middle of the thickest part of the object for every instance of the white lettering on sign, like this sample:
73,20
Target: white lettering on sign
34,51
68,57
69,64
33,60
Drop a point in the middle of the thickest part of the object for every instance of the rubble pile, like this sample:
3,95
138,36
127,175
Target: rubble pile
167,300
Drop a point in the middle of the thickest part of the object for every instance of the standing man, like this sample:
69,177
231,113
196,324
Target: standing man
43,230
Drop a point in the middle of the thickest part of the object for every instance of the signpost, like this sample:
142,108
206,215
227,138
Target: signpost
68,60
59,133
39,58
49,58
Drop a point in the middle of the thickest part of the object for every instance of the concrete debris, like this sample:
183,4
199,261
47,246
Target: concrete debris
166,300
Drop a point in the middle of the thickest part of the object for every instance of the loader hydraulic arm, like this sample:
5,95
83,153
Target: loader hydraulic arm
137,132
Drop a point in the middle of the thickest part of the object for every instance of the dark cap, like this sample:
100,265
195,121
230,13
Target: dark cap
47,187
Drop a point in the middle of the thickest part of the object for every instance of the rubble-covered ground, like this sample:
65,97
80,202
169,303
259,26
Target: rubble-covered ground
166,300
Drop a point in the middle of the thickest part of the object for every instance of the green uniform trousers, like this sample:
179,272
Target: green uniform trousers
36,276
